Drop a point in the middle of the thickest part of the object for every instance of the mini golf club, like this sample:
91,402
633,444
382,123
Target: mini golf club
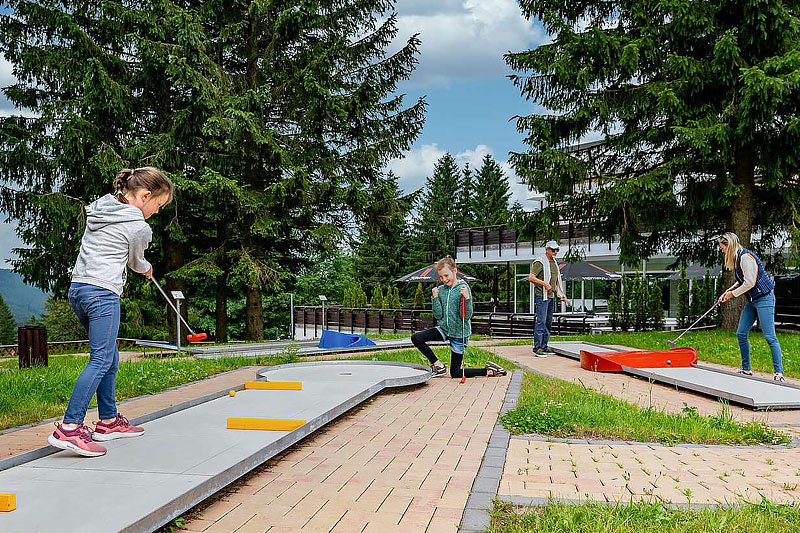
463,339
192,337
673,343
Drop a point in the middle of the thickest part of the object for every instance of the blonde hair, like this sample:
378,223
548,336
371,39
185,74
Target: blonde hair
150,178
446,261
731,240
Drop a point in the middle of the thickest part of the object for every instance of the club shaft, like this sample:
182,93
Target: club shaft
695,322
463,338
164,294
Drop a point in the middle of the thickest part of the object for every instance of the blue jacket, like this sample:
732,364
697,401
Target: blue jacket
764,283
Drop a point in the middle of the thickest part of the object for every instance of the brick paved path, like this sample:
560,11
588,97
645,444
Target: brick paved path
621,472
404,461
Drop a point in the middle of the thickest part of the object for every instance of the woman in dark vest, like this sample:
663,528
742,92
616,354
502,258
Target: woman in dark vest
753,282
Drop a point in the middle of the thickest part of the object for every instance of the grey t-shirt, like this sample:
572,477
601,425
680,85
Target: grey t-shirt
537,269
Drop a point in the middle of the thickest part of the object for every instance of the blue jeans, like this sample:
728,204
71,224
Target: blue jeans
457,344
764,308
98,311
544,321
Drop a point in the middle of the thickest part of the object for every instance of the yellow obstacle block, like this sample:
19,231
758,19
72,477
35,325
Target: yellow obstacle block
265,424
273,385
8,501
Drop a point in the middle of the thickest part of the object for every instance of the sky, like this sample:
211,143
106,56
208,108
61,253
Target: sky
461,74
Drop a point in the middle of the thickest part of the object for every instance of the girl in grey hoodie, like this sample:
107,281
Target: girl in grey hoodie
115,239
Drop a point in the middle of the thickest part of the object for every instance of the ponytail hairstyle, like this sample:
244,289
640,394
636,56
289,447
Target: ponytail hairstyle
731,240
130,180
446,261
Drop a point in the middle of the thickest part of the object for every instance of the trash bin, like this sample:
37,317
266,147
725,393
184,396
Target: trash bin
32,342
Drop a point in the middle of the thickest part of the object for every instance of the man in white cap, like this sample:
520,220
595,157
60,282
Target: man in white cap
548,284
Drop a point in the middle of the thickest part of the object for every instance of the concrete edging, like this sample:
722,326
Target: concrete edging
484,489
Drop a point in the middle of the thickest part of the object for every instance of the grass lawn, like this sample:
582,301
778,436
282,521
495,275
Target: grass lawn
715,346
553,407
644,517
35,394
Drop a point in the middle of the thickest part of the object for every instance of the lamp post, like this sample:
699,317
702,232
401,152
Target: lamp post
178,297
323,299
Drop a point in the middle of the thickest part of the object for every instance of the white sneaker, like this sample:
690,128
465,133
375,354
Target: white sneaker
778,377
540,353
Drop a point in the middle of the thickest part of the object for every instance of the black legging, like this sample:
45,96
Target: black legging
420,338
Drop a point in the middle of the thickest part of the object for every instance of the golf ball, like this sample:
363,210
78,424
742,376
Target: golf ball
669,362
232,393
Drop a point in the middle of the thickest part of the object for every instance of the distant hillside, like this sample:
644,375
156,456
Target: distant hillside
23,300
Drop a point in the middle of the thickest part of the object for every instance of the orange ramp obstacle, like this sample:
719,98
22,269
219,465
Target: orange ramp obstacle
683,357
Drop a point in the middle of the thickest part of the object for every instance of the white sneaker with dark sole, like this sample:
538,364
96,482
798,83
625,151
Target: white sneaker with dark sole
496,369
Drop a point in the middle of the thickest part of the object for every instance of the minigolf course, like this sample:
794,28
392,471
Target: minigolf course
184,457
678,367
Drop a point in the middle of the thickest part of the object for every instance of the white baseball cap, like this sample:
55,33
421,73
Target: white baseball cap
551,244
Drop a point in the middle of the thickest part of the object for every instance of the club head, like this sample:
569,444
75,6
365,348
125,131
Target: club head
673,343
196,337
463,379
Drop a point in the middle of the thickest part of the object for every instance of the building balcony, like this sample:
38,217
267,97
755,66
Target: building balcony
495,245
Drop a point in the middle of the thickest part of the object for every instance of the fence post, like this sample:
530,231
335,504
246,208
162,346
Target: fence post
32,345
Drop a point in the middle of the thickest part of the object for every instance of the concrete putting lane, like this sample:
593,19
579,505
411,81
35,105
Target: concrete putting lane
144,482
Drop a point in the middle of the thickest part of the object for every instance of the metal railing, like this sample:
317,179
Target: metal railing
491,237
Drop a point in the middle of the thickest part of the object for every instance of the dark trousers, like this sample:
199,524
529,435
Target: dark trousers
420,340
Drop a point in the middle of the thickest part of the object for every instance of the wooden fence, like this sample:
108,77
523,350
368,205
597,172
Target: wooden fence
367,320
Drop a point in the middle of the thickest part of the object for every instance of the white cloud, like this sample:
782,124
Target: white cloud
427,7
417,164
466,41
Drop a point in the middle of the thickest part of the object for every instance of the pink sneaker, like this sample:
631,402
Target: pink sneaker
79,440
120,428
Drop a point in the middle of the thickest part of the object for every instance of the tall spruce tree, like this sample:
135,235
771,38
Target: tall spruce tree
310,123
466,198
697,104
437,211
492,193
384,250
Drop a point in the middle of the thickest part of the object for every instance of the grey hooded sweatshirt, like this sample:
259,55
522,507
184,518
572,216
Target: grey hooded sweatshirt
116,235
